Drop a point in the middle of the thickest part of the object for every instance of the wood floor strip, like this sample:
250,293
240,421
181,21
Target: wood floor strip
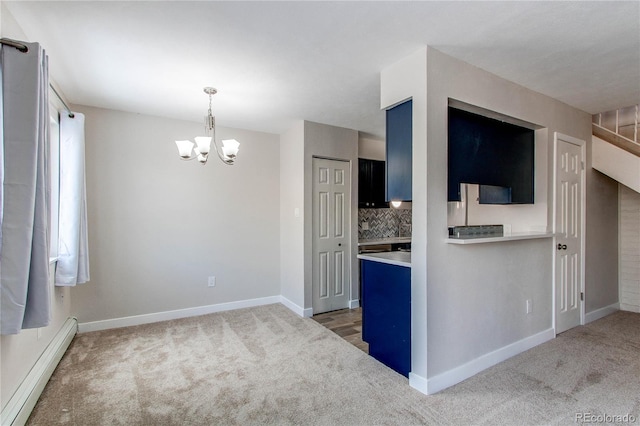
346,323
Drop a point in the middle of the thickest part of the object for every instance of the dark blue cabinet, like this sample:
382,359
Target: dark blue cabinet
371,184
399,152
386,313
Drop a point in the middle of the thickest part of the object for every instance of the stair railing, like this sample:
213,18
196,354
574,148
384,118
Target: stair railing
620,127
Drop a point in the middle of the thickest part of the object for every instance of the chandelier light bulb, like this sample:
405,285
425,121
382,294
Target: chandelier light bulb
184,148
203,143
230,148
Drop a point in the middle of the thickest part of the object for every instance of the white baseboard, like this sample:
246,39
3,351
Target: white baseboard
298,310
456,375
308,312
19,407
170,315
629,308
601,313
419,383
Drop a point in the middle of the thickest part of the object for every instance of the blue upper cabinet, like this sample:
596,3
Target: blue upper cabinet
399,137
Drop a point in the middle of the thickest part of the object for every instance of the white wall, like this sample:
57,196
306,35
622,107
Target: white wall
19,353
616,163
159,226
474,296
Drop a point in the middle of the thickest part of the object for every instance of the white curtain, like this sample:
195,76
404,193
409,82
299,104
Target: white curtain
24,254
73,250
1,165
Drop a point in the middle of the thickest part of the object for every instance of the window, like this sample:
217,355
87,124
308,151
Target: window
54,172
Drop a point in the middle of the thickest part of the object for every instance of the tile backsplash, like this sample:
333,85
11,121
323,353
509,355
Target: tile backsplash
384,223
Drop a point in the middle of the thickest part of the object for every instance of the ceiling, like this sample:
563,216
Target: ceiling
277,62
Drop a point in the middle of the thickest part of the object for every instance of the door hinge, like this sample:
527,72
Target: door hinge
582,164
582,296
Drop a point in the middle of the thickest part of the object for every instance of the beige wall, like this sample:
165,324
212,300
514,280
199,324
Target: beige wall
337,143
19,353
601,257
292,216
474,296
159,226
503,276
629,232
372,149
298,146
399,82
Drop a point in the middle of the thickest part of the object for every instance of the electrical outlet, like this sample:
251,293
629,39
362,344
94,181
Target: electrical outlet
529,306
365,226
212,281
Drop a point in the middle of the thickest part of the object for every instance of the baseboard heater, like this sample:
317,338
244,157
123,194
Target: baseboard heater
19,407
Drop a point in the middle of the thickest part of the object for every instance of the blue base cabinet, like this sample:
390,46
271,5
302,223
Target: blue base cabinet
386,313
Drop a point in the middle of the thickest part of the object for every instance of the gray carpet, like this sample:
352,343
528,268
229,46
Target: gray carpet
265,365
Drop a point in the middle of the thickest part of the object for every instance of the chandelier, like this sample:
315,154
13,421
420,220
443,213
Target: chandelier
202,146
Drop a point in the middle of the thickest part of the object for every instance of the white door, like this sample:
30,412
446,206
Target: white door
568,182
331,235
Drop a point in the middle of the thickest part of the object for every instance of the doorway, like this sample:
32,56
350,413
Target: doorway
569,208
331,240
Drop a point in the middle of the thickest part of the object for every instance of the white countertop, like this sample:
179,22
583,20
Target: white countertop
391,240
510,237
398,258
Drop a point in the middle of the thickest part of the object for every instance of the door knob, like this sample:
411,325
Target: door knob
339,244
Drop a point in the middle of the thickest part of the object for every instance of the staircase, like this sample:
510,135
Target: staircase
616,153
616,145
